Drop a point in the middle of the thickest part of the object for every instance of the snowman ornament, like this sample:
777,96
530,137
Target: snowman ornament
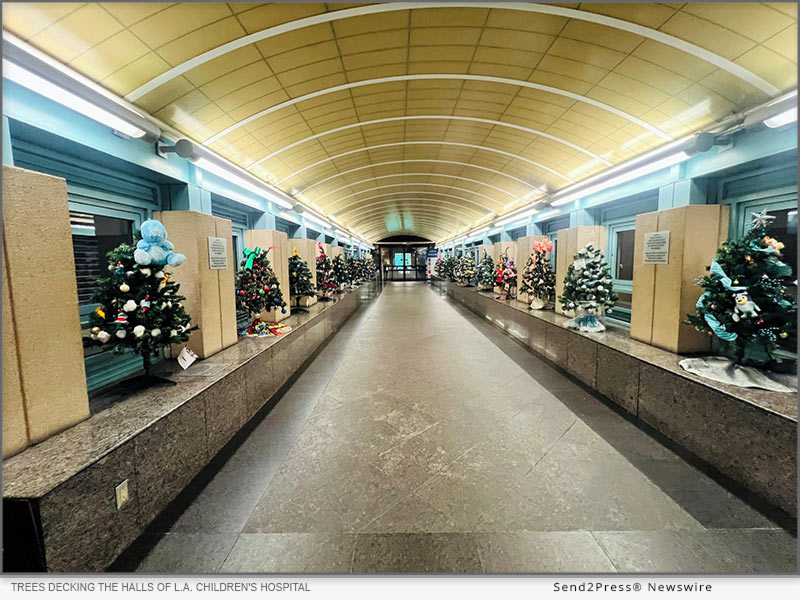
745,307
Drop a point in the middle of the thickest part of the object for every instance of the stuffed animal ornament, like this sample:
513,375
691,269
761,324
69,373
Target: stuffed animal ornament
154,248
745,307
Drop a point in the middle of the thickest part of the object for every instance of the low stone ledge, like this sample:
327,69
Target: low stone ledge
749,435
158,439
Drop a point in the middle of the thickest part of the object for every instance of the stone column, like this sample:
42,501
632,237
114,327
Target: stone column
44,381
664,294
278,258
569,242
210,293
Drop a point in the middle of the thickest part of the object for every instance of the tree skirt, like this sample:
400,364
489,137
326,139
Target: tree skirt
724,370
261,329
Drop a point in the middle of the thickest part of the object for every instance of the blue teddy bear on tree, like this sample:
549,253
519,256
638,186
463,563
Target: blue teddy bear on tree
154,248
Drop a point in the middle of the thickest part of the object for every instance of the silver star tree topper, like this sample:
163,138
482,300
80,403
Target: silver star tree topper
761,219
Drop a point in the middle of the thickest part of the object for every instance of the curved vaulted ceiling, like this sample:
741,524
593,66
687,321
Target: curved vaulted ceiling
408,118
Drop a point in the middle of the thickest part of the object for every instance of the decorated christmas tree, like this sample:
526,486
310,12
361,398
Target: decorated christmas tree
484,273
587,290
538,280
749,302
140,307
506,275
257,287
464,270
369,267
339,272
301,282
353,270
326,278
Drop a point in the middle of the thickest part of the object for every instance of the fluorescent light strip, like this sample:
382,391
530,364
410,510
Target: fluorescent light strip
25,78
520,215
782,119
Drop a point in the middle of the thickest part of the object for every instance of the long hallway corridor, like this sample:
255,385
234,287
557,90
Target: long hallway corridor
422,439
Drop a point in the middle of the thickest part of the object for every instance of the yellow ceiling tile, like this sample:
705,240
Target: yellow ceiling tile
257,105
518,40
237,79
585,52
135,74
371,23
436,84
178,20
309,72
201,40
263,16
496,95
619,100
651,74
733,89
368,113
504,56
163,95
444,36
675,60
374,59
332,121
702,98
26,19
324,100
320,83
779,71
377,72
599,114
311,111
749,19
296,39
450,17
644,93
784,43
129,13
438,67
77,32
373,41
509,71
303,56
707,35
648,14
600,35
533,22
560,81
110,55
787,8
586,122
572,68
246,94
223,65
440,53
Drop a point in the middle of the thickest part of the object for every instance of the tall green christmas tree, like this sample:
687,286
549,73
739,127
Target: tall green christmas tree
326,279
538,280
484,273
587,289
257,287
353,270
464,270
340,272
301,281
749,302
141,309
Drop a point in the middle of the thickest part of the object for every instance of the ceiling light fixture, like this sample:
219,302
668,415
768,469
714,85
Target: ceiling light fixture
777,113
25,65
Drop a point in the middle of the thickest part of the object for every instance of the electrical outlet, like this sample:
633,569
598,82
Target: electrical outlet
122,494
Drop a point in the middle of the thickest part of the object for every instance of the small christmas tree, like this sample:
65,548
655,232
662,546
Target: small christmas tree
301,283
326,279
538,280
369,267
484,273
464,270
140,309
339,272
506,276
587,289
257,287
353,270
749,302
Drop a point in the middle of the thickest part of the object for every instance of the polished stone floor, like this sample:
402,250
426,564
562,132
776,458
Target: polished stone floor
422,439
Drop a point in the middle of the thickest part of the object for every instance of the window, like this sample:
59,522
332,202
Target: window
620,242
517,233
311,234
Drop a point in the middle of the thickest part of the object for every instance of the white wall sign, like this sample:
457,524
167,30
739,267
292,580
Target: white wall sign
656,248
217,253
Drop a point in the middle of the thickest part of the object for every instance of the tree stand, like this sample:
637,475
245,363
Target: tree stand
147,379
297,308
585,321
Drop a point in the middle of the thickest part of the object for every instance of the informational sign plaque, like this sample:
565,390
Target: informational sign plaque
656,248
217,253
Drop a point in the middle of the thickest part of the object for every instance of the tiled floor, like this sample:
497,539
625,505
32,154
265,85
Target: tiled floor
422,439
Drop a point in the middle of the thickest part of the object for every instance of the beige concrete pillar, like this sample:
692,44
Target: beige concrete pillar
279,259
335,251
307,250
511,249
664,294
569,242
210,293
524,250
44,381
